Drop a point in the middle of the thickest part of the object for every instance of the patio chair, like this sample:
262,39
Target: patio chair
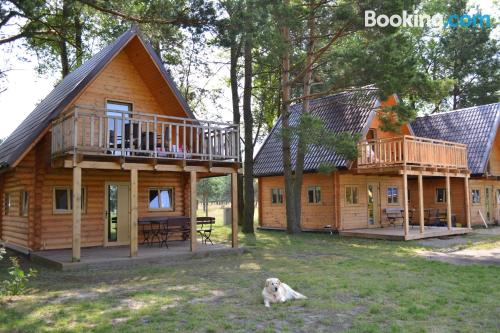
394,215
205,229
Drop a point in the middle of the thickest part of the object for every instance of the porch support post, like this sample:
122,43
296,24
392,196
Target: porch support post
448,202
421,202
133,211
406,223
467,201
77,212
234,210
192,196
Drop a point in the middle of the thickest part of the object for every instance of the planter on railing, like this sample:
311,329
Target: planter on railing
410,150
92,131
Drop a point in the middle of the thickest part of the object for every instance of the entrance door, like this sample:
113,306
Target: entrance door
117,214
488,203
373,191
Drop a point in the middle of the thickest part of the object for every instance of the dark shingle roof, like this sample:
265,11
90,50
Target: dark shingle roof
475,126
55,102
348,111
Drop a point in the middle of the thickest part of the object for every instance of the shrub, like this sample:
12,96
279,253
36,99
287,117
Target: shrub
16,284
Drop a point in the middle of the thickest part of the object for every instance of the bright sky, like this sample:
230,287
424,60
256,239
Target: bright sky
26,88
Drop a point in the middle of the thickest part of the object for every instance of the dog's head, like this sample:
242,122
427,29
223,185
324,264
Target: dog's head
272,284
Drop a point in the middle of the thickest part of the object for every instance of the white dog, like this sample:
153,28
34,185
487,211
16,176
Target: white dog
276,291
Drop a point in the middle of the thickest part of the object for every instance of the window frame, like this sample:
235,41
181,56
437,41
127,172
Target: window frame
347,203
314,188
472,196
172,199
436,195
279,196
390,198
24,204
69,197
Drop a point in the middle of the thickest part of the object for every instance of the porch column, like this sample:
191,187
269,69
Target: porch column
467,201
234,210
77,212
192,196
133,212
421,202
405,203
448,202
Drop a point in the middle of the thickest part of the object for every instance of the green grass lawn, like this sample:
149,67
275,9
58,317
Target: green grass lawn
353,286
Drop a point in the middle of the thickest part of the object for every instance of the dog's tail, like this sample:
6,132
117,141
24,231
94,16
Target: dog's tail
297,295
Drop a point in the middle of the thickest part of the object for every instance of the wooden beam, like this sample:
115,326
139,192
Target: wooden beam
196,168
448,202
421,203
234,210
192,196
223,170
168,167
134,180
77,212
406,222
467,201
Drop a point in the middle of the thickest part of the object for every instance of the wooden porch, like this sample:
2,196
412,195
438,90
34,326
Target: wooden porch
118,256
398,233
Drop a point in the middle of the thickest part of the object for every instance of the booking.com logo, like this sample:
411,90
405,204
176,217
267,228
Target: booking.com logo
424,20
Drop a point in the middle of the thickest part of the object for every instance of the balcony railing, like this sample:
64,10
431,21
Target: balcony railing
91,131
410,150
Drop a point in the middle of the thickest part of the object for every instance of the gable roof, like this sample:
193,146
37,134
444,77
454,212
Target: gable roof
350,111
57,100
475,126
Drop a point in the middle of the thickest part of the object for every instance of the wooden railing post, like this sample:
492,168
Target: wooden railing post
209,143
421,203
155,135
406,215
184,146
448,202
467,201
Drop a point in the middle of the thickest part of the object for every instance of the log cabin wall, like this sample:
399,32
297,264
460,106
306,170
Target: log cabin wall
315,216
353,216
430,200
16,228
481,184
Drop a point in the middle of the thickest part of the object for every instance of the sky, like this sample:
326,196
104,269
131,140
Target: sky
26,88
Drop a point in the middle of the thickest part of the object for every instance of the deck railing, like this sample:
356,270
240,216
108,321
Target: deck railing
411,150
91,131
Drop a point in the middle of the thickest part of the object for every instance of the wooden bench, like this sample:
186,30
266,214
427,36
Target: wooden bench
394,215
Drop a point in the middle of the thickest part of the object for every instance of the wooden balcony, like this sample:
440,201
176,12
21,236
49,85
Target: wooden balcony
411,152
100,132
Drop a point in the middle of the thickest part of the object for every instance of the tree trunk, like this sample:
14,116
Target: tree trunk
285,123
235,55
301,145
78,38
63,48
248,119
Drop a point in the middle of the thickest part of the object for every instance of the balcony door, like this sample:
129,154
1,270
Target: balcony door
117,113
488,203
117,221
373,201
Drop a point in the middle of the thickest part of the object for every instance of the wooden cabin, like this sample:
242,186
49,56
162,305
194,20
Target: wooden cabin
399,184
114,142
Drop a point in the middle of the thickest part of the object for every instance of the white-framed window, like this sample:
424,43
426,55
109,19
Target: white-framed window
314,194
276,196
351,195
392,195
24,207
476,196
63,200
440,195
161,198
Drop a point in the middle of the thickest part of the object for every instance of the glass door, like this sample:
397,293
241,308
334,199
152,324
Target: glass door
117,120
117,214
373,205
488,203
